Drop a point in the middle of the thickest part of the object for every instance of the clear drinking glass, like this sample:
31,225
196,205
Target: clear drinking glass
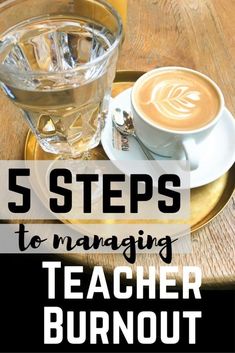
57,64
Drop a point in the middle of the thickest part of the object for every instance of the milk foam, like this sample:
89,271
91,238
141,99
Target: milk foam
177,99
174,100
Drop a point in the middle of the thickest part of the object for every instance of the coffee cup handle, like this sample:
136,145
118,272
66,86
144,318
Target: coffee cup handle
190,149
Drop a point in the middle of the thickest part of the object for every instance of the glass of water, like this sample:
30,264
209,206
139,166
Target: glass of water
57,64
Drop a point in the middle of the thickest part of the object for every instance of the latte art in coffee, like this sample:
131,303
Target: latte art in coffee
178,100
174,100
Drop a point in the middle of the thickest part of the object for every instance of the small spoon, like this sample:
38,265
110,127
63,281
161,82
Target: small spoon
123,122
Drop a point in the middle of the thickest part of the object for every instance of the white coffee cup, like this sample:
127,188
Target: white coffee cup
174,144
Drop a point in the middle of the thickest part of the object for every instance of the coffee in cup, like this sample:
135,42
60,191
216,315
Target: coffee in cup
177,100
174,109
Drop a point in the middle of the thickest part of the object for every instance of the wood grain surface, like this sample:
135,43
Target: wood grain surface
198,34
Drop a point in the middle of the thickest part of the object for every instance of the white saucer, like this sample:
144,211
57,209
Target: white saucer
217,152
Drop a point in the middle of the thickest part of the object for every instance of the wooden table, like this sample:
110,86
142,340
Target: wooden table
198,34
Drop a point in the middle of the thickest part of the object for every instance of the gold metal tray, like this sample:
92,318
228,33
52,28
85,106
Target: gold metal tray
206,201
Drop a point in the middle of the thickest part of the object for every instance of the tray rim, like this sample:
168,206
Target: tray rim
122,77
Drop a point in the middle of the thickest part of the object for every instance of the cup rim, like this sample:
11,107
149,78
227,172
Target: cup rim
179,132
85,66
